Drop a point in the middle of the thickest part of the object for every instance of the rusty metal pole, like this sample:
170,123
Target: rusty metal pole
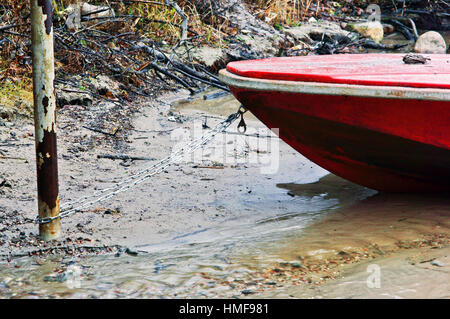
45,116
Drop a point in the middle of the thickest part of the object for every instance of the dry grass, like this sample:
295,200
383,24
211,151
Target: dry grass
288,12
153,19
15,76
17,95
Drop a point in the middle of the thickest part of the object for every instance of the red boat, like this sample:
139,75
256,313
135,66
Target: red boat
371,119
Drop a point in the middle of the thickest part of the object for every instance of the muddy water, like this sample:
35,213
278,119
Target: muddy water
200,264
331,216
296,232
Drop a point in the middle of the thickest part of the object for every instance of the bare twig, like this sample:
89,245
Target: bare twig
125,157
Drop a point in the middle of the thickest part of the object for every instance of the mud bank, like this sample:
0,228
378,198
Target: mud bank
245,217
188,197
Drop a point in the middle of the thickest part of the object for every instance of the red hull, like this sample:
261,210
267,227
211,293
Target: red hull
371,119
337,133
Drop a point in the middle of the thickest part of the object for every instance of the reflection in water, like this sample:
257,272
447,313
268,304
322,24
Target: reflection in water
215,262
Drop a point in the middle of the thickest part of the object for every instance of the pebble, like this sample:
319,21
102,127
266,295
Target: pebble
58,278
437,263
131,252
3,285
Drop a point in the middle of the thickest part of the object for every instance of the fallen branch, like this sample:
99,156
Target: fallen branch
100,131
13,158
125,157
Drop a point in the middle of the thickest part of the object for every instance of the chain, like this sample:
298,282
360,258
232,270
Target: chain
102,195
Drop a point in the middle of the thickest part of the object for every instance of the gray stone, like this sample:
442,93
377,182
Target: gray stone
73,19
431,43
7,113
315,30
103,84
87,8
262,45
66,95
208,56
437,263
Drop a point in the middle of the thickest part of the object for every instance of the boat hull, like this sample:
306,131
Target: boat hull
389,142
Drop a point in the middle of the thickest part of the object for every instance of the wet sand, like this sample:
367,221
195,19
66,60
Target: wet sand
406,236
410,274
189,196
297,233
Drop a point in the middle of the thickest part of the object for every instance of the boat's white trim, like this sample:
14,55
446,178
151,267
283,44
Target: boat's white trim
390,92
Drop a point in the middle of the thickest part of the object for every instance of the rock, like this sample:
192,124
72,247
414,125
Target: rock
431,43
131,252
103,84
297,265
62,277
5,183
97,11
415,59
388,28
252,46
7,113
437,263
262,45
315,30
73,20
237,14
371,30
66,95
3,285
212,58
245,46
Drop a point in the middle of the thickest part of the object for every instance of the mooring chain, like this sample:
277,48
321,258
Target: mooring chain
144,174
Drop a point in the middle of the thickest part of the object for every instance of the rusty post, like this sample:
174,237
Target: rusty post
45,116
